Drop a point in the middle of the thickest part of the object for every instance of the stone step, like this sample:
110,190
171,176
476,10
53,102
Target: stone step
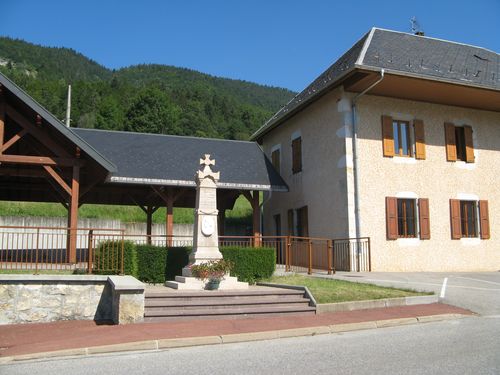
222,293
240,310
163,301
225,304
157,319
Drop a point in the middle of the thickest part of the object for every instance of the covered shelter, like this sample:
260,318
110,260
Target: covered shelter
42,160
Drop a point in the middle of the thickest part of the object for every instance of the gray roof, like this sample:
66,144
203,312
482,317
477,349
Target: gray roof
401,54
173,160
56,124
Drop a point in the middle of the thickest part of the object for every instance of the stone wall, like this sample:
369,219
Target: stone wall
47,298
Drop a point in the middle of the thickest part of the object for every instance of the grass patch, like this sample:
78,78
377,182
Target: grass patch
241,213
331,291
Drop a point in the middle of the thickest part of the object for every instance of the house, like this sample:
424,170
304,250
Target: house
399,141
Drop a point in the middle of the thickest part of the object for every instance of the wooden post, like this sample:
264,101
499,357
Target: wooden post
287,254
170,218
90,252
329,253
149,224
2,118
222,222
256,219
309,253
73,213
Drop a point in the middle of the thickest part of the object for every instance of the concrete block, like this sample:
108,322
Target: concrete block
305,331
56,353
437,318
346,327
392,302
189,341
422,300
129,346
349,306
250,336
395,322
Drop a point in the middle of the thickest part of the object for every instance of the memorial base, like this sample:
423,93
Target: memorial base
192,283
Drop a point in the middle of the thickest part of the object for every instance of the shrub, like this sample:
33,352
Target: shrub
107,258
152,263
251,264
177,259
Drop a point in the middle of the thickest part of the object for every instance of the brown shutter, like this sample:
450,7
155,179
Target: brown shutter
469,146
297,155
387,136
275,159
423,218
391,217
451,143
456,227
305,221
290,222
484,221
419,139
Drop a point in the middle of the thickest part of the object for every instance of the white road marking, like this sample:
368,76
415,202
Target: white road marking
443,288
482,281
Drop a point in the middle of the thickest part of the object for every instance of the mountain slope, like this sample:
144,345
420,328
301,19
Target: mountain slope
147,98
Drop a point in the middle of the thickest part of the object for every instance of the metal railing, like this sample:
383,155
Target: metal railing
102,250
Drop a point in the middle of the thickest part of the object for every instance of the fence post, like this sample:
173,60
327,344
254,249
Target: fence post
90,252
349,253
357,255
309,253
369,256
287,254
329,251
36,250
123,245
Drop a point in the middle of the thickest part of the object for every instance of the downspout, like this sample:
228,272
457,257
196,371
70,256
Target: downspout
355,153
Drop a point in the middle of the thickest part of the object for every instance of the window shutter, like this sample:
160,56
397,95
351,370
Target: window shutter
456,227
484,221
451,143
419,139
305,221
391,217
275,159
469,147
423,219
387,136
297,155
290,222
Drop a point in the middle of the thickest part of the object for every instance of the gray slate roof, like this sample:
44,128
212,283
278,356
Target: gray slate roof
55,123
173,160
403,54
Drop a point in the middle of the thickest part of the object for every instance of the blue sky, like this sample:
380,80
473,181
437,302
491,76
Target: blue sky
274,42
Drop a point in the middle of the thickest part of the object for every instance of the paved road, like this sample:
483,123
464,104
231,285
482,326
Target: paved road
476,291
464,346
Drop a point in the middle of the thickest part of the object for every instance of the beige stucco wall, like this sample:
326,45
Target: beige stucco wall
433,178
322,183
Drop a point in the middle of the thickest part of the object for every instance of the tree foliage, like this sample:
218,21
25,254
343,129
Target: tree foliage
143,98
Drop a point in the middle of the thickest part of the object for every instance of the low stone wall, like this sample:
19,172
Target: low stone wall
47,298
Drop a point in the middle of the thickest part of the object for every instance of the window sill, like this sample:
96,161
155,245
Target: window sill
404,160
460,164
405,242
470,241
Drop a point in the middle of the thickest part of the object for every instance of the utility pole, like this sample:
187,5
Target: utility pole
68,108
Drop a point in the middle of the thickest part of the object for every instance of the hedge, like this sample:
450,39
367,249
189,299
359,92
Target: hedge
151,263
251,264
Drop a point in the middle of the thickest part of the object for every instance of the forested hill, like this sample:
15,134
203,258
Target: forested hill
144,98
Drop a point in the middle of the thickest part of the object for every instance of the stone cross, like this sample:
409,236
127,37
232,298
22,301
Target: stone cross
207,171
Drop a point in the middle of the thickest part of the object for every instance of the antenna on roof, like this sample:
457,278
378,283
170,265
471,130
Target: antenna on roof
415,27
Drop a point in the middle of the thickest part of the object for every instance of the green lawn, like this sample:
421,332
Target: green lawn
330,291
241,213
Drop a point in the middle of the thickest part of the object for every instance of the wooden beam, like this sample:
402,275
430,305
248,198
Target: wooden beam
169,200
38,133
149,224
41,160
248,196
58,178
73,214
2,118
256,219
11,141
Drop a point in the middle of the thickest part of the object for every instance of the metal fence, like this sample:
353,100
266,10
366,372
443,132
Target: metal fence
102,250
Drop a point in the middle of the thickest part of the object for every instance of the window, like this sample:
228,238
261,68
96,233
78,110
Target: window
297,155
402,138
298,223
275,159
402,215
277,224
469,219
459,145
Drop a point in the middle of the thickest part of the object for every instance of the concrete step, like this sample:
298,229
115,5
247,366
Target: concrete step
224,301
223,307
156,319
240,310
221,293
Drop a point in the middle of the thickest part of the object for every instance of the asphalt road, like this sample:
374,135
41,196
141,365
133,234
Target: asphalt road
475,291
464,346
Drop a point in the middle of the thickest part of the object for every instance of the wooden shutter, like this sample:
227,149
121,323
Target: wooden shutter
469,146
423,219
484,221
297,155
387,136
450,141
391,217
304,221
456,225
290,222
419,139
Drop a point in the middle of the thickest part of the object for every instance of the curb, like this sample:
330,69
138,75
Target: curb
162,344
